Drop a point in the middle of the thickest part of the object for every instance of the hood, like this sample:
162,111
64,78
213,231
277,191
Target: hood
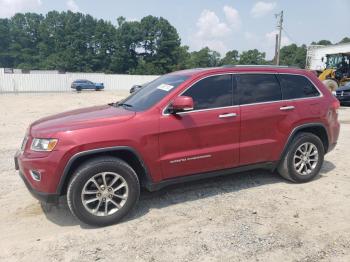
81,118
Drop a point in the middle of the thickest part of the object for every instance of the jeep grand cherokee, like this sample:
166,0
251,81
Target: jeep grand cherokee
183,126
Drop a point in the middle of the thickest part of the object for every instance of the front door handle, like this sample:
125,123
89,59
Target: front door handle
286,108
228,115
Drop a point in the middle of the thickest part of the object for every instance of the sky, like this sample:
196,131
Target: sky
222,25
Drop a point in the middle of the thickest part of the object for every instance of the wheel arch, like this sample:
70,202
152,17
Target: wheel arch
125,153
317,129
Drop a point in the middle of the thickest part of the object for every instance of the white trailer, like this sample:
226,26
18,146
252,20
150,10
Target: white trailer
316,54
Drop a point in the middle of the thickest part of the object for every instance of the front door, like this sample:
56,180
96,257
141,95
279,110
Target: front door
206,138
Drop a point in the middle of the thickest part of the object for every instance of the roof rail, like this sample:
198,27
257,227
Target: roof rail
269,66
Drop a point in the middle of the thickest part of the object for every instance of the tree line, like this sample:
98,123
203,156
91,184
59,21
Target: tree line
76,42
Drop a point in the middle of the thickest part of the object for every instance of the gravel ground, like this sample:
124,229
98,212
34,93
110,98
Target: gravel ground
252,216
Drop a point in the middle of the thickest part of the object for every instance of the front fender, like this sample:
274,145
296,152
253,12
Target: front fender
66,171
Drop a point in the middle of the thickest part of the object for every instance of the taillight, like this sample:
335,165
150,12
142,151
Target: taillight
333,110
336,106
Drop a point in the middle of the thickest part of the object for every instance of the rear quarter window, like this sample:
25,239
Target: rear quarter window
297,86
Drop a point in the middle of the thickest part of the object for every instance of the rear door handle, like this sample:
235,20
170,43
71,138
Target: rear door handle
228,115
286,108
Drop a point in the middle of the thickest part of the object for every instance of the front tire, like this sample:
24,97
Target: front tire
304,158
102,191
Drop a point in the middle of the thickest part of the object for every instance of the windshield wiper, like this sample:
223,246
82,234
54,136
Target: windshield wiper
117,104
124,105
113,104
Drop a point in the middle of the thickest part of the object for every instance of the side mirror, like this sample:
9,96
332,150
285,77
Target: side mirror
182,104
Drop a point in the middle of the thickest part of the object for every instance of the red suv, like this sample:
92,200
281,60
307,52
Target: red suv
183,126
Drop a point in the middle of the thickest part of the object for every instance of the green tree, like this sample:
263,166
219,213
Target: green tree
204,58
64,41
78,42
184,58
322,42
160,45
151,46
292,55
127,39
231,58
24,38
344,40
252,57
5,56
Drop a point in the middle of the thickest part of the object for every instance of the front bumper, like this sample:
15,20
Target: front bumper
41,196
331,147
21,165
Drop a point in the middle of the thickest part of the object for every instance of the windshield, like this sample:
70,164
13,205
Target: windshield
153,92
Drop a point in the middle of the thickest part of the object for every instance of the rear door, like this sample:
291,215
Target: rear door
90,85
304,95
206,138
265,118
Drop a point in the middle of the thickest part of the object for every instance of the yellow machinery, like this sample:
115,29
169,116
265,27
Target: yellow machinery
337,71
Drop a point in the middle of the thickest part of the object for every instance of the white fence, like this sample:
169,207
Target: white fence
27,83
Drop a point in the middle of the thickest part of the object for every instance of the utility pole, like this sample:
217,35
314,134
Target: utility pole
276,50
280,27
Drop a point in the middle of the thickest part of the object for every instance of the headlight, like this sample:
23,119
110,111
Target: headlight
43,144
334,93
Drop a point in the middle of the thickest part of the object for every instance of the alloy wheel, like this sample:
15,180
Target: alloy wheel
305,158
104,194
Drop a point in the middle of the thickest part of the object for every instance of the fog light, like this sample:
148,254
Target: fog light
35,175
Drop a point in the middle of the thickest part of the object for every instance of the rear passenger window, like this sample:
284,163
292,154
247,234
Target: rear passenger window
258,88
297,86
212,92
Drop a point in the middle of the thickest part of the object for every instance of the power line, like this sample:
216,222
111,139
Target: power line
296,42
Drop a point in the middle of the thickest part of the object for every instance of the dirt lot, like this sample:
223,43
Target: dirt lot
254,216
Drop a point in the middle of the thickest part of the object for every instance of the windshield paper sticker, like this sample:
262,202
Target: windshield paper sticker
165,87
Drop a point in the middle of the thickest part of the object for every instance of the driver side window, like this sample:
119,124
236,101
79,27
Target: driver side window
212,92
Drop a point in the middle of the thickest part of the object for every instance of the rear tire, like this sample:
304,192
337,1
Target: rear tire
93,195
304,158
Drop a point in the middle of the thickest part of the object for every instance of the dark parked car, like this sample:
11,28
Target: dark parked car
135,88
343,94
182,126
86,84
